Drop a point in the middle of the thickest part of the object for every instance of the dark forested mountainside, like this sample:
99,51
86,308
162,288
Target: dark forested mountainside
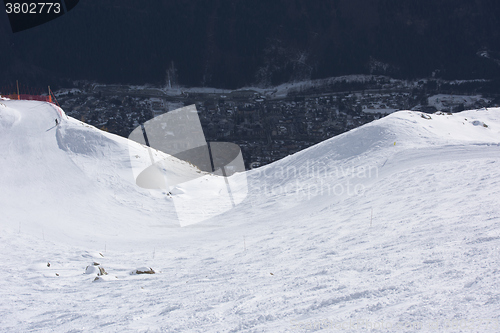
230,44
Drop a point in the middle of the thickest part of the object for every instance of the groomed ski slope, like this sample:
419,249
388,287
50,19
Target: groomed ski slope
391,227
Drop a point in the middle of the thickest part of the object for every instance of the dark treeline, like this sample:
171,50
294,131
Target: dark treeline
230,44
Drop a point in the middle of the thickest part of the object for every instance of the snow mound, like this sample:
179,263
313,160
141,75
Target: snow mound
8,116
75,172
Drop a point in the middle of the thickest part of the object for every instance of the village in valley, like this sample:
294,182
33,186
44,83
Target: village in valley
269,124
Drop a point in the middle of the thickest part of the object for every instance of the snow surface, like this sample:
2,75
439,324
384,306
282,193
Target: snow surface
391,227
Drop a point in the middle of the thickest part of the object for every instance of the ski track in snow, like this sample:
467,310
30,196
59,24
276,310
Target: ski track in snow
420,245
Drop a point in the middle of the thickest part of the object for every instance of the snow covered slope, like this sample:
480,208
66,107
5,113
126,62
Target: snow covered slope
395,223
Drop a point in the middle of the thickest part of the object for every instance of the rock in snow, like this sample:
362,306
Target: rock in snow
143,270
